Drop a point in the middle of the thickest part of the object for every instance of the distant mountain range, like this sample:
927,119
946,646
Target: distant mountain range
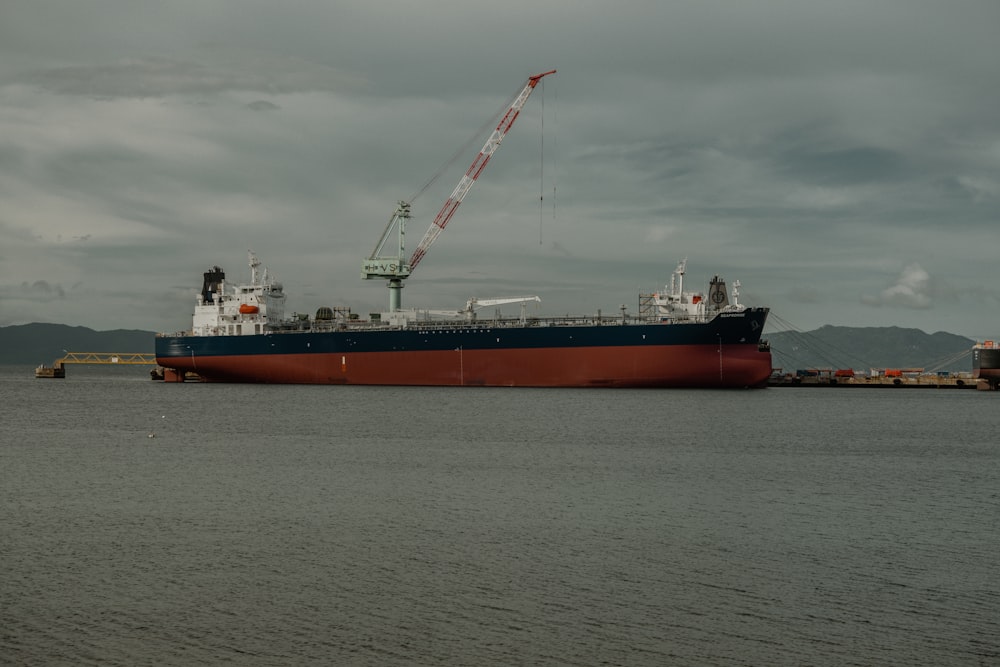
44,343
870,347
826,347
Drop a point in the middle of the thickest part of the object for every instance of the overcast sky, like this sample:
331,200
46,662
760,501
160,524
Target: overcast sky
841,159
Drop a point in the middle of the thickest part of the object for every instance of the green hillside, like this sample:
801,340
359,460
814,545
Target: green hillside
44,343
870,347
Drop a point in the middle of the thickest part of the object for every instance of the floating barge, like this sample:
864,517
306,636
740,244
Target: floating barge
56,370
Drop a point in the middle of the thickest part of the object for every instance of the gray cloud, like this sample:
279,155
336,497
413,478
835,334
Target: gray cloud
801,147
262,105
37,290
158,77
912,289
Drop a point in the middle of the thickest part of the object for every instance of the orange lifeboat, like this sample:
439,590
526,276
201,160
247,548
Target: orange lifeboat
248,309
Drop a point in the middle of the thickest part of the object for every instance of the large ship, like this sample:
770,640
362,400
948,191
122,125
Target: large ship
986,363
677,338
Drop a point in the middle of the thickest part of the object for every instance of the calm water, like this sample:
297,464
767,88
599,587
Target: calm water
268,525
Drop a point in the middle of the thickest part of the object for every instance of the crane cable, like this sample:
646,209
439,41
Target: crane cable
465,147
541,168
829,353
444,167
939,364
541,185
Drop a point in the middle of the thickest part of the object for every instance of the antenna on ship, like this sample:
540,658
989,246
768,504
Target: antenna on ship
254,263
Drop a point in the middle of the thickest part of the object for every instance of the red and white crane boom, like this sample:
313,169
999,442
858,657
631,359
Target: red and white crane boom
473,172
393,267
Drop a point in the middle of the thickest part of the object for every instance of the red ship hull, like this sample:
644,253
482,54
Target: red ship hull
740,365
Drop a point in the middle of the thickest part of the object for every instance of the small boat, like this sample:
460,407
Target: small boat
55,371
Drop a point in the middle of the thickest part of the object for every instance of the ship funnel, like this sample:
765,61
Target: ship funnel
718,297
213,284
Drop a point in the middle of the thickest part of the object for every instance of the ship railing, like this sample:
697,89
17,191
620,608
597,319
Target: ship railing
515,322
343,324
501,323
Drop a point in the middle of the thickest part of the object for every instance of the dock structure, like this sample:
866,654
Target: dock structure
905,378
58,368
120,358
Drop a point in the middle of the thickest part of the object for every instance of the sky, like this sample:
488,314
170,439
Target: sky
840,159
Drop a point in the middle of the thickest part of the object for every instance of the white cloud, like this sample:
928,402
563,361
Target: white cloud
912,289
658,234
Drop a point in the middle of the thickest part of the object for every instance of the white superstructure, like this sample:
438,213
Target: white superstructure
238,310
673,304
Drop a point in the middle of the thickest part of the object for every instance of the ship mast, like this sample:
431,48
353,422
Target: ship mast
254,263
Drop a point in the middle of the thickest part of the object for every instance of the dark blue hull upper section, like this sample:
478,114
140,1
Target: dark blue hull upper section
726,329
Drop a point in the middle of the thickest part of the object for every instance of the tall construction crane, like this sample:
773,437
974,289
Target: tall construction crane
394,268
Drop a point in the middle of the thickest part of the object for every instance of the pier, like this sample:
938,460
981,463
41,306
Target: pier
58,368
888,379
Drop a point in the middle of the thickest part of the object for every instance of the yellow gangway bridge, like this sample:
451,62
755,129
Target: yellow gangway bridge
58,369
134,358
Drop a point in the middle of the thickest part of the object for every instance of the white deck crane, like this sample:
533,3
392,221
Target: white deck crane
394,268
474,304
